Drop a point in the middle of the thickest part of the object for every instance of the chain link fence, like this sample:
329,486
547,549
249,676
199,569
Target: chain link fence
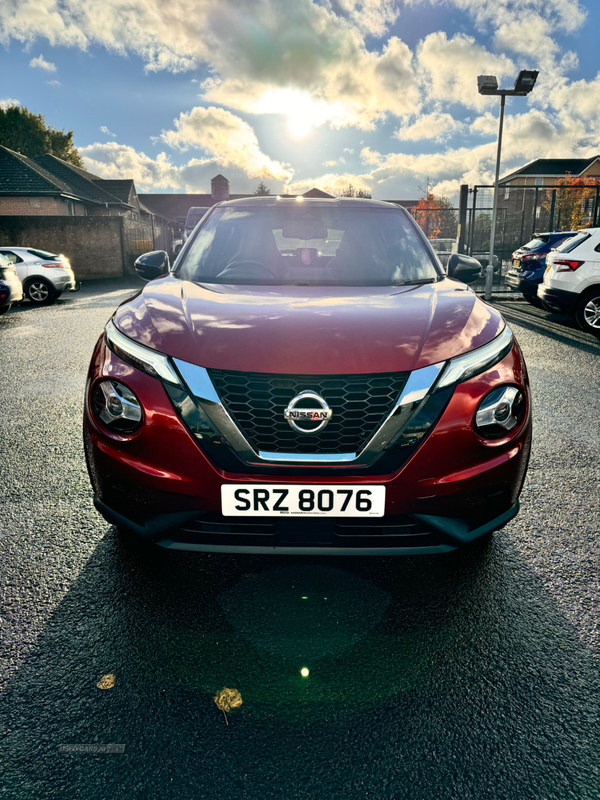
521,212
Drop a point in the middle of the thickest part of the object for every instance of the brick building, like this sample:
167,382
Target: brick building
48,186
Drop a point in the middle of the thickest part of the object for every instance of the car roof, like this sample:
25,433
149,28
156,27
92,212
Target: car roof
283,200
25,249
554,233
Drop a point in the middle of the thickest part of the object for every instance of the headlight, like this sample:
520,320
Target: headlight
500,412
463,367
117,406
140,356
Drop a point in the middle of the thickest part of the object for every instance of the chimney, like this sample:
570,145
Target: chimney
219,188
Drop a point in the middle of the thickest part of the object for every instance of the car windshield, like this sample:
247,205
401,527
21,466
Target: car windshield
310,245
536,244
572,243
44,254
194,216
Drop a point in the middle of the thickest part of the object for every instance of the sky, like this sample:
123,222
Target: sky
381,94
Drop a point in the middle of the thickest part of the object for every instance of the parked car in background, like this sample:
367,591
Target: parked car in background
45,276
443,249
10,281
529,263
484,260
307,380
572,279
194,216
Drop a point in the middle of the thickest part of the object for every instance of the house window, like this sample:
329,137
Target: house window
539,181
506,190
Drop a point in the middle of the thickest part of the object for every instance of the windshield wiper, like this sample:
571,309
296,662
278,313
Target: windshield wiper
416,283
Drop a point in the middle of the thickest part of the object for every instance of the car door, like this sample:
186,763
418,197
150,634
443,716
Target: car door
17,262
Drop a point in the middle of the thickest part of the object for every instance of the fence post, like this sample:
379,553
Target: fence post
534,218
595,222
462,217
552,204
473,221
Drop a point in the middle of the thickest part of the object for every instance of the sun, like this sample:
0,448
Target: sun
303,112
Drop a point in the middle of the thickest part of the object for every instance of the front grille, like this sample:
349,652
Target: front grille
360,404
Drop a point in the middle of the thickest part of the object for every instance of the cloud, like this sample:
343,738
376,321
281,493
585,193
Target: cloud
429,126
330,163
348,150
451,67
9,102
113,160
105,130
227,138
257,52
53,83
41,62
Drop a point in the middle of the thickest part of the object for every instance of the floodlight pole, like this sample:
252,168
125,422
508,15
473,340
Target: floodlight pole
488,85
489,273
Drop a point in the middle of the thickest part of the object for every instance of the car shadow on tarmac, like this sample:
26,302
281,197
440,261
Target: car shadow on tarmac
439,677
559,327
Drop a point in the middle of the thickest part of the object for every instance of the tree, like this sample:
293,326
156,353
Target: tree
262,190
28,134
570,206
436,216
350,191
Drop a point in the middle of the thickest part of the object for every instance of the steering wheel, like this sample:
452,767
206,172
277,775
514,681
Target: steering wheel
246,268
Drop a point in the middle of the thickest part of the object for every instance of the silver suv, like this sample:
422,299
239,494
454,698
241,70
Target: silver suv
45,276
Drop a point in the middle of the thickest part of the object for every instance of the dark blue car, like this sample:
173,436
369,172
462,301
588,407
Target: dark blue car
529,263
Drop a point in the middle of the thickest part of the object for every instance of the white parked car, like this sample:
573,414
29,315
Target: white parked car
45,276
572,279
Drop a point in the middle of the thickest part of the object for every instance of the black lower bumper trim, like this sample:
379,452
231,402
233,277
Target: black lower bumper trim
197,530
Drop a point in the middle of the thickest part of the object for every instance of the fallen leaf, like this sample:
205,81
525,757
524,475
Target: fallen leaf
227,699
106,682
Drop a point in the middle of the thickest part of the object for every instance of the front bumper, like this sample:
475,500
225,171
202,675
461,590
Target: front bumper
418,534
558,299
160,484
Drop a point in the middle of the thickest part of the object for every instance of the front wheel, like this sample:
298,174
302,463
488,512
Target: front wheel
40,292
587,314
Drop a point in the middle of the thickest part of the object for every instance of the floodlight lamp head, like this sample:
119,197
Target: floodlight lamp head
526,80
487,84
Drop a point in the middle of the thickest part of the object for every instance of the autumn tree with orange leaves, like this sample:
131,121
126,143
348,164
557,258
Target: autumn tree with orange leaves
436,216
570,210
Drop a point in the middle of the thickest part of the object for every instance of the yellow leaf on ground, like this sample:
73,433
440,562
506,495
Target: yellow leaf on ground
227,699
106,682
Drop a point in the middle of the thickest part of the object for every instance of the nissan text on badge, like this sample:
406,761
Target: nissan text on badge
306,378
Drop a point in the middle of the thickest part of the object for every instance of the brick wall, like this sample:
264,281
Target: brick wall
93,245
34,206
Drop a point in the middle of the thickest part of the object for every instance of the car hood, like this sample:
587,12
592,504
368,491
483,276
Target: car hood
308,329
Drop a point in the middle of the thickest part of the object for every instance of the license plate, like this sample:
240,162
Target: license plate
285,500
516,262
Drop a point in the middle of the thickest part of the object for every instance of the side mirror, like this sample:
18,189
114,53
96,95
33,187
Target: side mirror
464,268
151,265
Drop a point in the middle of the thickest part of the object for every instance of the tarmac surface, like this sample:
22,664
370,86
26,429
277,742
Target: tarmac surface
461,676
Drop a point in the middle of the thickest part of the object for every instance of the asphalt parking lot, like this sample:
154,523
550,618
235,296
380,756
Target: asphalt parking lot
461,676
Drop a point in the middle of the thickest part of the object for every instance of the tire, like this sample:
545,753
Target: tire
4,309
40,292
535,301
587,313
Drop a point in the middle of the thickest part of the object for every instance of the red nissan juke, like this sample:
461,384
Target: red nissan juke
307,379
